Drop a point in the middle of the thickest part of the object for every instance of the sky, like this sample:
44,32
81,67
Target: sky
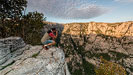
67,11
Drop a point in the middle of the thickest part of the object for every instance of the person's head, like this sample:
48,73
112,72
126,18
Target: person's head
54,29
49,31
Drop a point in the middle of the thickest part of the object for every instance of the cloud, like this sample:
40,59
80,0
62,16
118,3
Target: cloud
67,9
126,1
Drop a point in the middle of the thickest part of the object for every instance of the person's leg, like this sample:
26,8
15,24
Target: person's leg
50,42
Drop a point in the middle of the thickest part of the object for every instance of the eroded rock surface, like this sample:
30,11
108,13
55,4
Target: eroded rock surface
34,60
37,61
9,49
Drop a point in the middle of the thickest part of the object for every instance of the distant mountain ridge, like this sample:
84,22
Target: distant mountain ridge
112,29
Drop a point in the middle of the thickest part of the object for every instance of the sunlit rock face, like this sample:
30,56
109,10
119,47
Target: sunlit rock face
37,61
113,29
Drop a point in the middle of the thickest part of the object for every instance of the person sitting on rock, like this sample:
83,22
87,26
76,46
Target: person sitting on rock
46,41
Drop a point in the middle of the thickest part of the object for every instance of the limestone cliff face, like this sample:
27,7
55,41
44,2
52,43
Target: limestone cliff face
32,60
113,29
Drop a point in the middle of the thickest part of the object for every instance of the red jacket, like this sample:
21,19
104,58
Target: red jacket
52,35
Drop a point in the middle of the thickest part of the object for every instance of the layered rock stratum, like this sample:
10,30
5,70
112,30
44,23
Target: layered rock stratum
9,49
113,29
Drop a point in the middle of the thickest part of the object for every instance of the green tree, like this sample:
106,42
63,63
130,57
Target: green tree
30,27
12,8
14,22
11,11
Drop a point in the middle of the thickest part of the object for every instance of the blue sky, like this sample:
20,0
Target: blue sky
67,11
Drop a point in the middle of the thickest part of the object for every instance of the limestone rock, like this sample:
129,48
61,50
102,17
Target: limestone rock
10,48
37,61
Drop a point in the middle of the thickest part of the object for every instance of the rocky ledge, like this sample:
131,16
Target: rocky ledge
36,61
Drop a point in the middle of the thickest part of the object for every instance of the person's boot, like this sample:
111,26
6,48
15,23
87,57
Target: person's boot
46,47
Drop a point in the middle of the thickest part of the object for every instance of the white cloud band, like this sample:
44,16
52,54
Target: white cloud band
67,9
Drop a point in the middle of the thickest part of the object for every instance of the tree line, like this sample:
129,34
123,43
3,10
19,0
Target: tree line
15,22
